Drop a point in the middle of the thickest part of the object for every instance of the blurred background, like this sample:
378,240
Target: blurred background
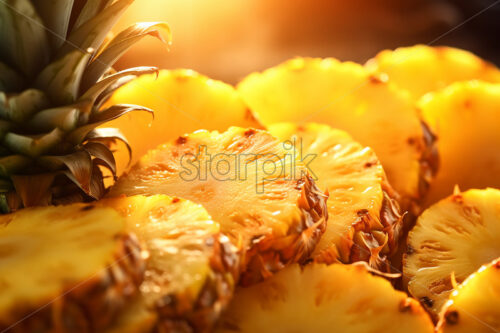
227,39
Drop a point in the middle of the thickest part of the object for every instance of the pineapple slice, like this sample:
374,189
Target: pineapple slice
320,298
184,101
475,305
65,269
191,270
465,117
136,318
264,200
347,97
451,240
364,220
420,69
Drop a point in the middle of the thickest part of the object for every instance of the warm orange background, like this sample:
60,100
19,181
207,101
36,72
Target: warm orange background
226,39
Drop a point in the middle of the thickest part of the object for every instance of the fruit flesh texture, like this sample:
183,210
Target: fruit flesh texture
421,69
265,202
188,257
475,305
320,298
136,318
184,101
357,228
455,236
465,117
65,257
346,96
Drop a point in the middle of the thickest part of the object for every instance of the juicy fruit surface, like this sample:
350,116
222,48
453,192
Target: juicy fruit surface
455,236
362,224
420,69
320,298
67,254
347,97
189,259
475,305
465,117
184,101
135,318
265,202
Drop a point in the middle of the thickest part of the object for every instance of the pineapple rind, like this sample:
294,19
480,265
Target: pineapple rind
72,297
475,305
364,219
320,298
421,69
271,228
192,268
452,238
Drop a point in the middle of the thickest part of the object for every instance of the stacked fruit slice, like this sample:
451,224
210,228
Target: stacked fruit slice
266,203
66,269
184,101
450,241
475,305
321,299
421,69
364,220
191,269
346,96
465,117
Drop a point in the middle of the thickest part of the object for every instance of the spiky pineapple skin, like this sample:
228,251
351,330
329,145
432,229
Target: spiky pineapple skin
451,240
266,242
188,292
364,218
83,306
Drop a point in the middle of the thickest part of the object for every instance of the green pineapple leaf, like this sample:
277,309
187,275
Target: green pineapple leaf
19,108
10,80
23,36
33,145
92,33
65,118
12,163
55,15
91,8
61,79
120,44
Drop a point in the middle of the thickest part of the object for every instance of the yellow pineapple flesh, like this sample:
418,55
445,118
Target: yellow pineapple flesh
421,69
184,101
450,241
135,318
475,305
265,202
346,96
465,117
364,220
66,269
319,298
191,269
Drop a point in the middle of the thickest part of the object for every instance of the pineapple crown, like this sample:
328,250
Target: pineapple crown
55,74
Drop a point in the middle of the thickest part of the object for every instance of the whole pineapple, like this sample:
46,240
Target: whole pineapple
55,73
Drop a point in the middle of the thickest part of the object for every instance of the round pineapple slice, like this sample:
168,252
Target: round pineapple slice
465,116
421,69
65,269
320,298
264,200
347,97
364,221
475,305
192,268
450,241
184,101
136,318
